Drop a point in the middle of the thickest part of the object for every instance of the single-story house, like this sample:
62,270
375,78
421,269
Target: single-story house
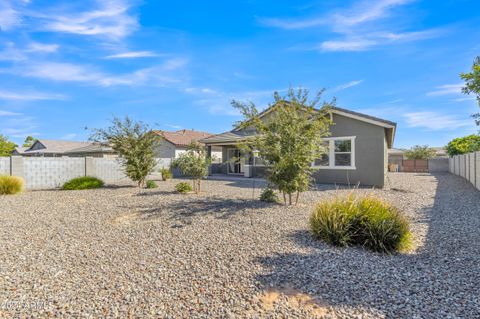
58,148
174,143
357,150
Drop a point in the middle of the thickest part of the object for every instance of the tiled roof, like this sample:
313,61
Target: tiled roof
92,148
183,137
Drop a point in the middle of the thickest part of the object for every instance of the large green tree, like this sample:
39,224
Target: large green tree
29,140
472,84
194,162
134,142
6,146
289,139
421,152
463,145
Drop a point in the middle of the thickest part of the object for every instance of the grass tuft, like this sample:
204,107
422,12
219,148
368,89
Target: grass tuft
85,182
10,185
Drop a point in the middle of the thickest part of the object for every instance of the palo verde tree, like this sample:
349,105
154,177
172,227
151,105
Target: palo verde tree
420,152
463,145
289,139
29,140
194,162
135,144
6,146
472,84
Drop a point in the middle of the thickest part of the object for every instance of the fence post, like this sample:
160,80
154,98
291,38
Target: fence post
89,166
16,166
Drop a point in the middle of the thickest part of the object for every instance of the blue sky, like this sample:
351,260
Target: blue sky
67,65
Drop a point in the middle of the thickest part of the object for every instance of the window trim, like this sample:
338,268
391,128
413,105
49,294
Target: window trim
331,153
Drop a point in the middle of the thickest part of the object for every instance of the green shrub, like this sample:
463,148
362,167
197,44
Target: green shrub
10,185
365,221
151,184
268,195
85,182
166,174
183,187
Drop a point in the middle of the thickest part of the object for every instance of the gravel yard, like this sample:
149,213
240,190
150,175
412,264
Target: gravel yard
118,252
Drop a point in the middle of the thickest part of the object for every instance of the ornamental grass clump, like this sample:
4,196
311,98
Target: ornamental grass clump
268,195
151,184
366,221
84,182
10,185
183,187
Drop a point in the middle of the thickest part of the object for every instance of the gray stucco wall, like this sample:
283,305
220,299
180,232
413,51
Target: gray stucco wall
370,154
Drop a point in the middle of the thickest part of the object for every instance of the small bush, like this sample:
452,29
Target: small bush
166,174
365,221
10,185
183,187
151,184
85,182
268,195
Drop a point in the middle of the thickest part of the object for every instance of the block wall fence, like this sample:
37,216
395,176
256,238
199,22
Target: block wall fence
53,172
466,166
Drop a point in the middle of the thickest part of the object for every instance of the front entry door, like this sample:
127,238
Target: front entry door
235,161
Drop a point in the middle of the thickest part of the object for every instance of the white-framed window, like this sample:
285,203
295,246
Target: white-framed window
340,153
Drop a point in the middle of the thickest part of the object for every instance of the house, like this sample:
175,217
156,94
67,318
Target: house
174,143
58,148
357,150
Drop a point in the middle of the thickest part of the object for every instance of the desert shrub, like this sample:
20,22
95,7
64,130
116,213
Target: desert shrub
166,174
183,187
365,221
10,185
151,184
268,195
85,182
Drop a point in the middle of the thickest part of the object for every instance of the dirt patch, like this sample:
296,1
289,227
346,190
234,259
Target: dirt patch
125,219
295,299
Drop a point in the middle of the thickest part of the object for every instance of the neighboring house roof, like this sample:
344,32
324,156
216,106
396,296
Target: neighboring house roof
91,148
183,137
54,146
19,150
396,151
234,135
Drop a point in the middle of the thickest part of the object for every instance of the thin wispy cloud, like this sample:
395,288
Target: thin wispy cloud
13,53
357,27
347,85
447,89
108,18
29,96
8,113
10,17
174,126
159,75
132,54
435,121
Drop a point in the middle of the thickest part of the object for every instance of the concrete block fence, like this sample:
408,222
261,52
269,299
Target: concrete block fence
466,166
53,172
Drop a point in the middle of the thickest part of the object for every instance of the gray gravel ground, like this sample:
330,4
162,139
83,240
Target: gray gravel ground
120,253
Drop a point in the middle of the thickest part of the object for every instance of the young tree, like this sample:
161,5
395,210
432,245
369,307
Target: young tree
289,139
134,142
194,162
6,147
463,145
472,84
29,140
421,152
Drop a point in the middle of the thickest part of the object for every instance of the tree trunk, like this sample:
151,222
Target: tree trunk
198,186
284,199
296,199
289,199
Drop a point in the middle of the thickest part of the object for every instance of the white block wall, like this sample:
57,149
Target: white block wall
107,169
4,165
467,166
51,172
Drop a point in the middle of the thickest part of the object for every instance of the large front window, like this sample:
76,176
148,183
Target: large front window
339,153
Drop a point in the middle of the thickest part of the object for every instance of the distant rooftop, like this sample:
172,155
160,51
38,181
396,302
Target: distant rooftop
183,137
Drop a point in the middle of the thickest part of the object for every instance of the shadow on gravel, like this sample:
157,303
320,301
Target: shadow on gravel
186,210
441,279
